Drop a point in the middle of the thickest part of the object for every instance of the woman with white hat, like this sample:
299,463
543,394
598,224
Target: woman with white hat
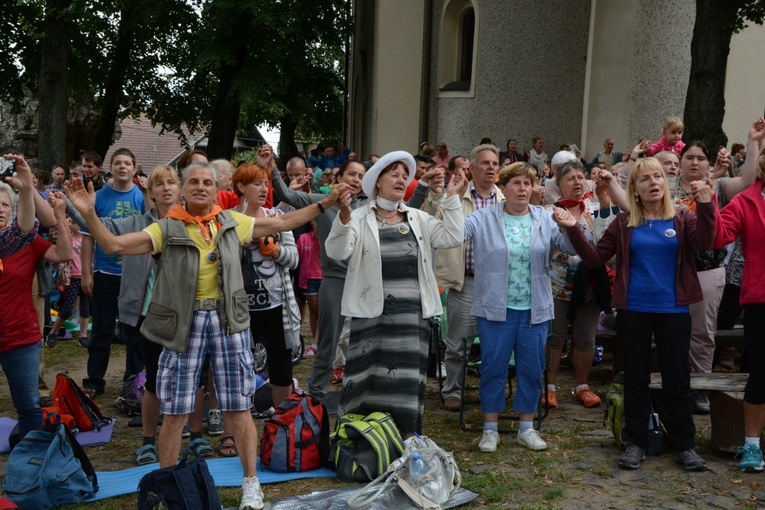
390,290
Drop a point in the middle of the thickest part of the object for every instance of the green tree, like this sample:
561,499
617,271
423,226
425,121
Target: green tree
716,22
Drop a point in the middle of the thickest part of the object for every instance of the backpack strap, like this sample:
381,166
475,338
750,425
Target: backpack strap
373,451
383,423
79,454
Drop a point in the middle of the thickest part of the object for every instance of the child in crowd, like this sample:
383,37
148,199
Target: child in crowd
72,279
309,279
671,138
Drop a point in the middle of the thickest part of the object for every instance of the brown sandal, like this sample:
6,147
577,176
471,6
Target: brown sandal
228,446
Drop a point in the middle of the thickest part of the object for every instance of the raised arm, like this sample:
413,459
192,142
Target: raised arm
25,213
293,219
62,250
754,143
84,201
592,256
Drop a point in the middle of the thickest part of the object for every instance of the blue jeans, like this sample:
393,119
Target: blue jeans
21,367
499,339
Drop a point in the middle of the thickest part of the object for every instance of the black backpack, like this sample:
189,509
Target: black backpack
185,485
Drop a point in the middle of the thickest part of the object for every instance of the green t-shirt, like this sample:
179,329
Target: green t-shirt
518,238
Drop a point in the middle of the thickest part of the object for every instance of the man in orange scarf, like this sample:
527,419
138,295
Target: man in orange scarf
212,330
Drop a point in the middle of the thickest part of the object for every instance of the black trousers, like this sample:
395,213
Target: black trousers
754,335
672,334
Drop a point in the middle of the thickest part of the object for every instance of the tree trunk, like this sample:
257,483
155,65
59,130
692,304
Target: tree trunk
113,93
225,115
52,87
287,146
705,100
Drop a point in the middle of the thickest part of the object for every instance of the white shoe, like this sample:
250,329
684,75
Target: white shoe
252,496
489,441
531,440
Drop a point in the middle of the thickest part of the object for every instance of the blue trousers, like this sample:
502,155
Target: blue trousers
499,339
21,367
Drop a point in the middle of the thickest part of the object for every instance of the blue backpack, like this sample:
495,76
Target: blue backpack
47,469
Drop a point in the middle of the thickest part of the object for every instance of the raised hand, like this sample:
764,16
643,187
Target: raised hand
563,218
269,245
23,177
757,132
265,156
57,200
84,200
458,183
338,191
537,194
702,191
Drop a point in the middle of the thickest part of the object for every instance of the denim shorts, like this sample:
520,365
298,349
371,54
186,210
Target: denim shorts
313,287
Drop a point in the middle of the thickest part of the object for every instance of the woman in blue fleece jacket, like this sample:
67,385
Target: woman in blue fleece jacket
513,243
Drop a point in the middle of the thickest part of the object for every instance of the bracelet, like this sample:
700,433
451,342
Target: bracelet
321,207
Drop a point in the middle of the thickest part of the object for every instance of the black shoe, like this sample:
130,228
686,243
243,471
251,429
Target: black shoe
691,460
632,457
51,340
84,341
701,402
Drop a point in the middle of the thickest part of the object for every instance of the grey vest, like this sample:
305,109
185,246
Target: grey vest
170,313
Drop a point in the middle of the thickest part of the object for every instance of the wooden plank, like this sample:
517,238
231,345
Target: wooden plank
716,381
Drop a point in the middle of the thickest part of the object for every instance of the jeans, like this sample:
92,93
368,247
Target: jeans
106,289
672,334
498,342
21,369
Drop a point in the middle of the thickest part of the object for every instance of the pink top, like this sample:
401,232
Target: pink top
662,145
76,262
310,264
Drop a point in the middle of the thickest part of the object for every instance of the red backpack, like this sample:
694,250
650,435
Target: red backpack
296,437
75,408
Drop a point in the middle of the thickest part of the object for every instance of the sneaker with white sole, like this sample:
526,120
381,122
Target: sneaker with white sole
489,441
531,440
252,496
214,422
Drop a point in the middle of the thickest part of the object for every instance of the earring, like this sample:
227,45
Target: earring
637,198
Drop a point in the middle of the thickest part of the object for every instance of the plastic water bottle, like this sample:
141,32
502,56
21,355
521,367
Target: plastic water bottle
419,467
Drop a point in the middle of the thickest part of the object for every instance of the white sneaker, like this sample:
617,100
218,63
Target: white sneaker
489,441
252,496
531,440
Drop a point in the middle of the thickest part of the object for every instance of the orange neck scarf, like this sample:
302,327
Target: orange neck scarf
178,212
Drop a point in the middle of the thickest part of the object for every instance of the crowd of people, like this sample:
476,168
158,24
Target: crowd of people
198,262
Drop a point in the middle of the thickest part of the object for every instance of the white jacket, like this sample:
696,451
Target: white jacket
358,241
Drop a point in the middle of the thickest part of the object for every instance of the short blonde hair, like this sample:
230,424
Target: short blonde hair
160,171
637,213
521,168
223,166
673,124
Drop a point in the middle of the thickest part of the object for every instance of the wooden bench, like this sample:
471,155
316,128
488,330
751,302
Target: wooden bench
611,343
726,399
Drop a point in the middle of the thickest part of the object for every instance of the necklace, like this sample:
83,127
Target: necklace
384,220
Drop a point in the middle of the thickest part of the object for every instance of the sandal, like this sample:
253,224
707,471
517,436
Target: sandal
310,352
146,454
228,446
201,447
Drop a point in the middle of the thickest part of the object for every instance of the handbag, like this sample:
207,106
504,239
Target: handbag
426,473
185,485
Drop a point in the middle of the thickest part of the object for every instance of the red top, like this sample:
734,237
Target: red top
17,310
744,216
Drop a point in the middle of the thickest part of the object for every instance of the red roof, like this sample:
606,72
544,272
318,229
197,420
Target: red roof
150,148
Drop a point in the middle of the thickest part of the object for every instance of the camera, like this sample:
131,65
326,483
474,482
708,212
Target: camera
7,167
